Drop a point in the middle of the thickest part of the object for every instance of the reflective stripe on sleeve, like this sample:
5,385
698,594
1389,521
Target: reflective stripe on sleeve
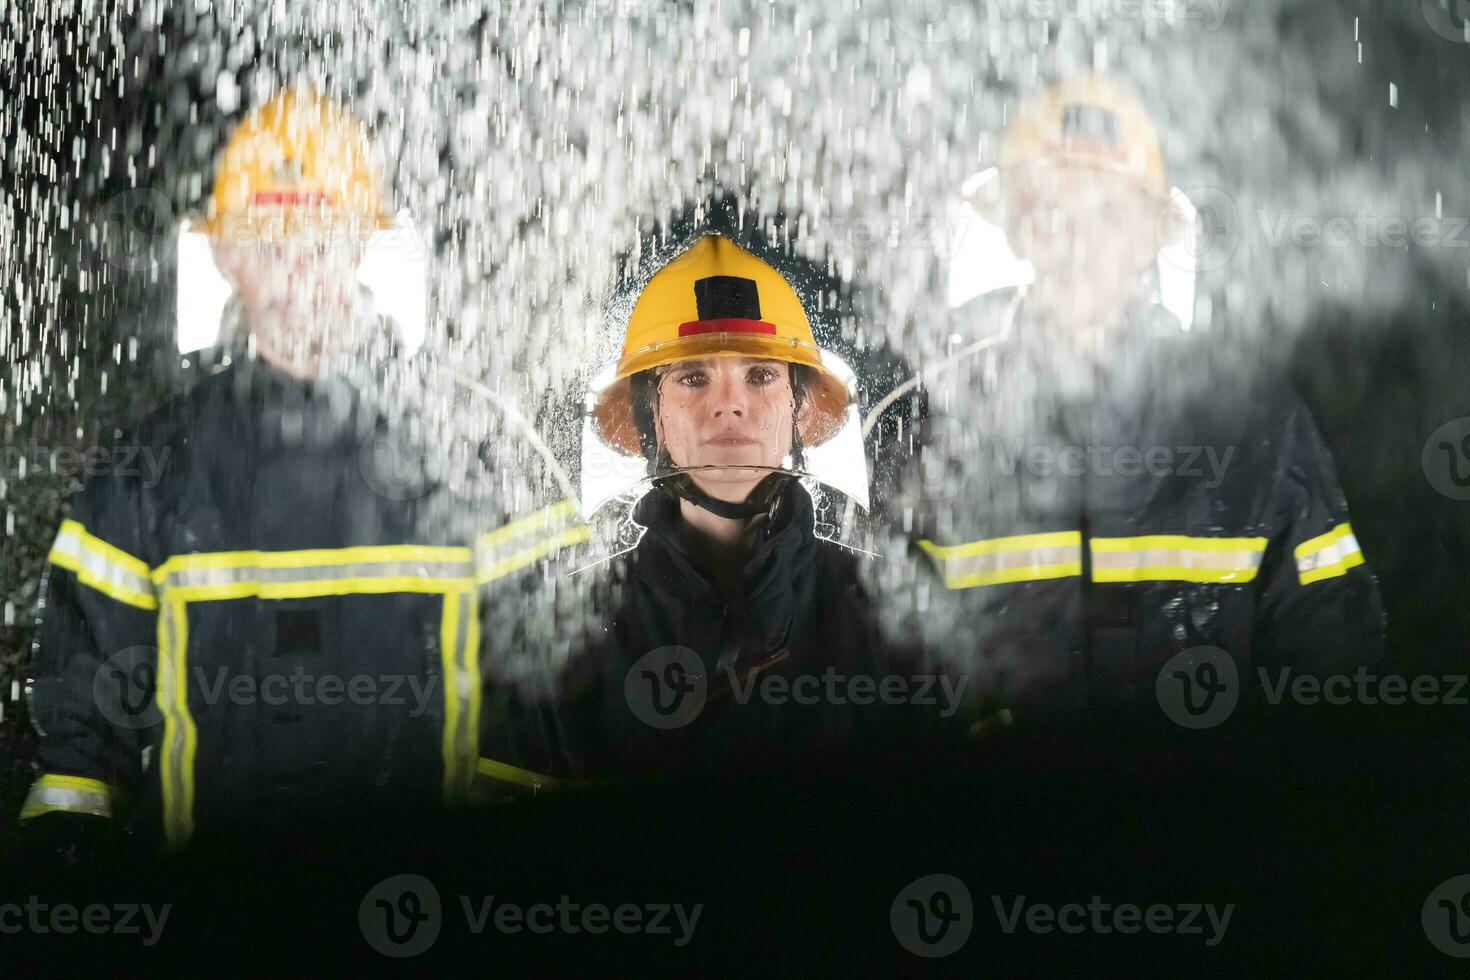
52,793
523,541
1328,555
1020,558
102,566
1176,558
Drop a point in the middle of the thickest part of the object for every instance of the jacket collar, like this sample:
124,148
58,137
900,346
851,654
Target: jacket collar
780,550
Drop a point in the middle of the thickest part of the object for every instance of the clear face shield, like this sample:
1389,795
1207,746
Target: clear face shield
721,426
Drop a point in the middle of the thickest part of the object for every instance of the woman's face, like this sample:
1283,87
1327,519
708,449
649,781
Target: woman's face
726,411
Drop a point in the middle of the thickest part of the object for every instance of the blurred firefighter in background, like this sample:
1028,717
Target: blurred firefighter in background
1096,491
280,635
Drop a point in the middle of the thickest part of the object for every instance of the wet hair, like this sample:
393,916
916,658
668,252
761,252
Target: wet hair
644,387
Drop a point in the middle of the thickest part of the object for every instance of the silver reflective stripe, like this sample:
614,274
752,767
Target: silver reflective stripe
87,557
1176,558
265,575
1338,553
1016,558
172,698
51,794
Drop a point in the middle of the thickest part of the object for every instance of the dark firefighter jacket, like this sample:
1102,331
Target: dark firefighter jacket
786,670
1075,527
279,625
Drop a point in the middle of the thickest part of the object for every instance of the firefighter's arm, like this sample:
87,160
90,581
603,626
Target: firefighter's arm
1320,611
91,680
519,565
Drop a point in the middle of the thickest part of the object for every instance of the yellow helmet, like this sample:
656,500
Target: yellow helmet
716,299
1087,120
298,162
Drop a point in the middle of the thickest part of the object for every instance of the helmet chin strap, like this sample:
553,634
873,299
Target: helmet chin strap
763,499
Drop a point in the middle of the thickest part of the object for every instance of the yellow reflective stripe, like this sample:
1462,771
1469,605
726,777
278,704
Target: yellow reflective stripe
459,663
1328,555
311,558
504,566
176,752
1176,558
541,520
523,541
106,568
1017,558
316,572
511,774
321,587
53,793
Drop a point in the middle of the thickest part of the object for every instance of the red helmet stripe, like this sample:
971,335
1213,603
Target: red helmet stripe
725,325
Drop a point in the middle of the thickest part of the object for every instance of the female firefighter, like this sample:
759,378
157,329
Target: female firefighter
731,631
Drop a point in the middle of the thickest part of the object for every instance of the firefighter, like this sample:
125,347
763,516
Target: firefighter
280,633
1098,492
721,391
